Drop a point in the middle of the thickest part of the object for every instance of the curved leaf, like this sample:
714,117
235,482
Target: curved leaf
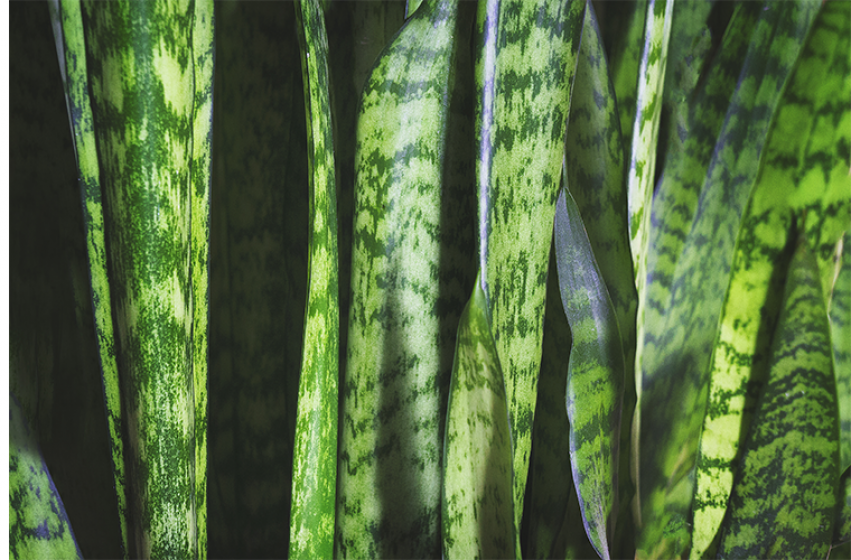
840,333
477,504
784,498
595,375
38,524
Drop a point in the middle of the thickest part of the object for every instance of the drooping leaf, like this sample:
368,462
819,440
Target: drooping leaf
38,524
315,453
526,56
805,166
697,213
405,302
477,503
784,498
595,375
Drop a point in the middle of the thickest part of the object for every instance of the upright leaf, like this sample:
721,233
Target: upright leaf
258,277
840,333
805,167
697,214
524,69
71,46
38,524
477,502
403,309
315,454
785,493
142,76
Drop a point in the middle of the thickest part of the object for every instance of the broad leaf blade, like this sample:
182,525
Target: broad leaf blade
315,452
478,512
403,312
595,375
784,498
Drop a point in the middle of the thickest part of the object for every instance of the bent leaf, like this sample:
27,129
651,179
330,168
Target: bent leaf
784,498
477,511
38,525
595,375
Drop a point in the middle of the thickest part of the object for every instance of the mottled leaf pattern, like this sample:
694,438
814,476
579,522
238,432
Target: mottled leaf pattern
477,502
525,62
315,453
38,525
784,497
805,166
403,309
702,196
68,29
840,333
595,375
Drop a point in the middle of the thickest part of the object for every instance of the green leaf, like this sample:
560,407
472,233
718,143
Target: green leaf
258,277
595,375
842,524
784,498
67,20
405,302
624,23
525,62
595,162
697,215
477,501
315,454
142,77
840,333
805,167
38,524
645,132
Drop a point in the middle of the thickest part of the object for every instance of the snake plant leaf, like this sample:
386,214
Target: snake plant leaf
477,506
401,323
645,131
701,198
142,76
805,166
258,277
203,51
67,20
315,454
840,333
624,33
38,524
595,161
784,498
548,490
595,375
525,62
842,525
